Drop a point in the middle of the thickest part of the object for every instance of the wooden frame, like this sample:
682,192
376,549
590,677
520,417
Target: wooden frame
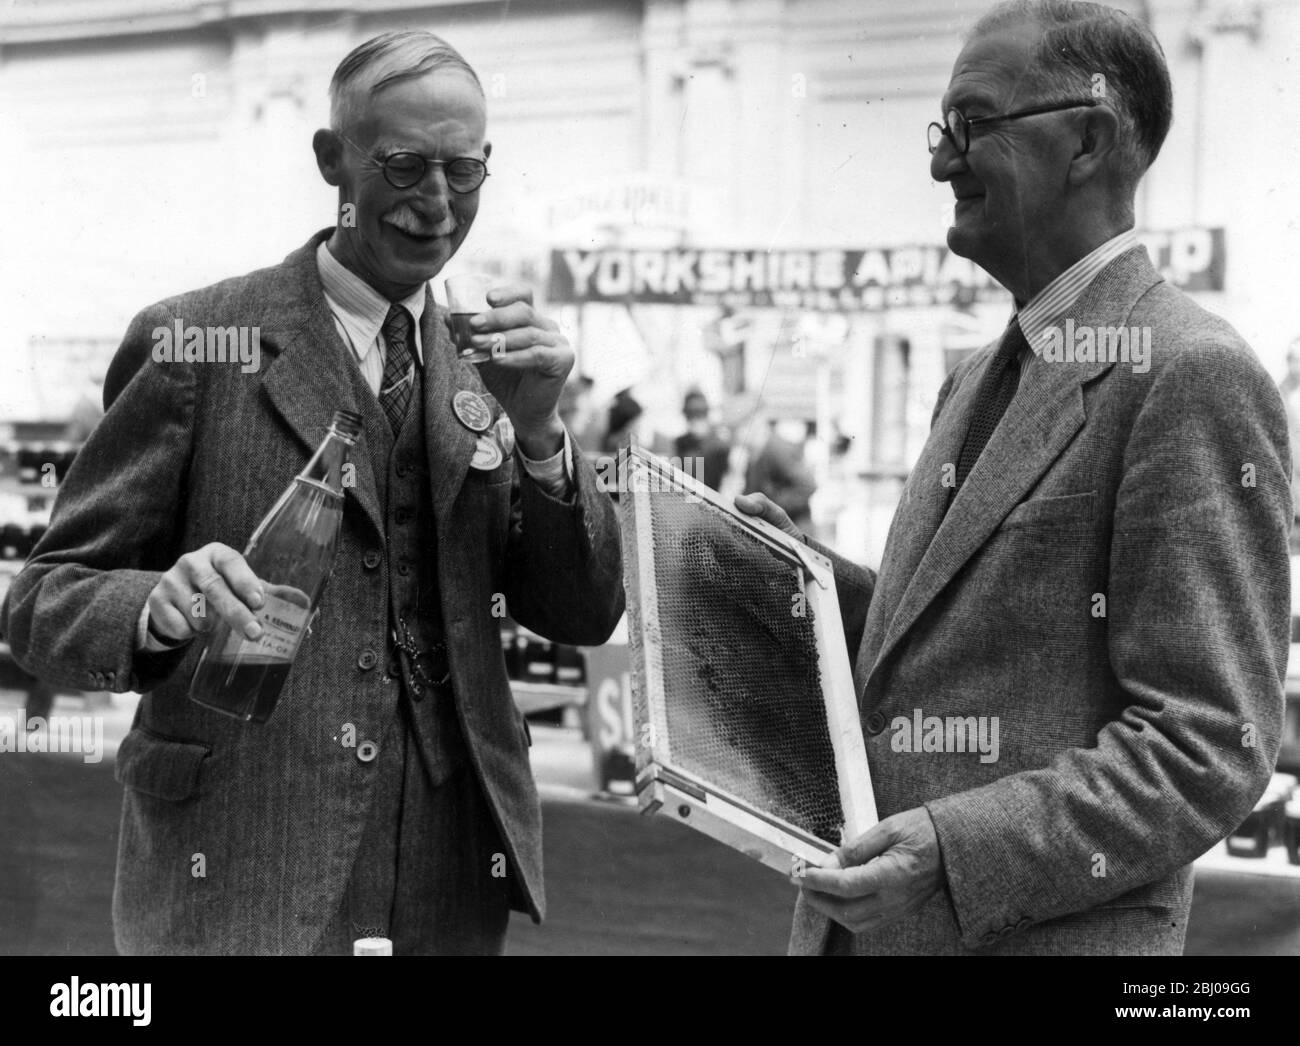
663,785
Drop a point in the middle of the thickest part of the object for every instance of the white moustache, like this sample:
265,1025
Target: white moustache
408,221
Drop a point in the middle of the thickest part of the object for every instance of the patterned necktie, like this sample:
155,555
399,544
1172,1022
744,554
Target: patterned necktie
995,394
399,371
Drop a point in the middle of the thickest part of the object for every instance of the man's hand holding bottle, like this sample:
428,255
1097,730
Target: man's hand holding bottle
204,588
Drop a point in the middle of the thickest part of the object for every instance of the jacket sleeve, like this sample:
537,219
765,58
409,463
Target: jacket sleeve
564,573
1197,629
70,616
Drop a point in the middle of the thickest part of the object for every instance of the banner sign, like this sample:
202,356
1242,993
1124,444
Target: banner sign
832,280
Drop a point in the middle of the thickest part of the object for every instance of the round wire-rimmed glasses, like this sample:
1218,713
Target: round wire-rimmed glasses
956,128
404,169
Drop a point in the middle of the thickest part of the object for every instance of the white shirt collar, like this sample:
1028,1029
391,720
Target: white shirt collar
1058,297
361,310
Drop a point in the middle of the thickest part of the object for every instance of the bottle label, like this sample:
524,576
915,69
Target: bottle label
283,624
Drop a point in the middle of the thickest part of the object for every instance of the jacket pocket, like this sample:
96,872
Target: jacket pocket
160,766
1058,511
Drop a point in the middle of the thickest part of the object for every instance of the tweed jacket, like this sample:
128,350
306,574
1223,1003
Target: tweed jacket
191,453
1111,584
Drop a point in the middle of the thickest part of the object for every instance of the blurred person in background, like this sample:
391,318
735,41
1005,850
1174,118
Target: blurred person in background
622,422
778,470
701,440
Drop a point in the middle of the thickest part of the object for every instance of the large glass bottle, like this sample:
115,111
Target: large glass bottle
292,553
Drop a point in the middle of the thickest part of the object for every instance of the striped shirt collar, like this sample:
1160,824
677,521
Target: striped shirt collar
1059,296
359,308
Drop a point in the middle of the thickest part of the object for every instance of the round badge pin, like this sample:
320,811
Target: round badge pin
471,410
505,433
487,455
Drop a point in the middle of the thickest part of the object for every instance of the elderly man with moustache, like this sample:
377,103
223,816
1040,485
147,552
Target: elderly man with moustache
390,793
1093,552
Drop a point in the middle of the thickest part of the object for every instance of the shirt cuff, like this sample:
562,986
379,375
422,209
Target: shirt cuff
555,474
147,641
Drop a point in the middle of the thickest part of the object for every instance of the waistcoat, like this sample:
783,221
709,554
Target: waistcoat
400,465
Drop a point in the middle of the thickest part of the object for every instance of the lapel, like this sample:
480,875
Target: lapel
449,445
929,548
306,379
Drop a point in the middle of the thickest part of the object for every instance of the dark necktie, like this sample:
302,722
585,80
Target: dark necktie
399,372
991,401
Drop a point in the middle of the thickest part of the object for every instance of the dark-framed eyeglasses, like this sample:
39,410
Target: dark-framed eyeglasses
956,128
404,169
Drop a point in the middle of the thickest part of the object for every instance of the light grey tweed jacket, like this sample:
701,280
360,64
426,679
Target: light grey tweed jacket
1131,742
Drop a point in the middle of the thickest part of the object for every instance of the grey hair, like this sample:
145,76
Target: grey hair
1081,40
385,60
